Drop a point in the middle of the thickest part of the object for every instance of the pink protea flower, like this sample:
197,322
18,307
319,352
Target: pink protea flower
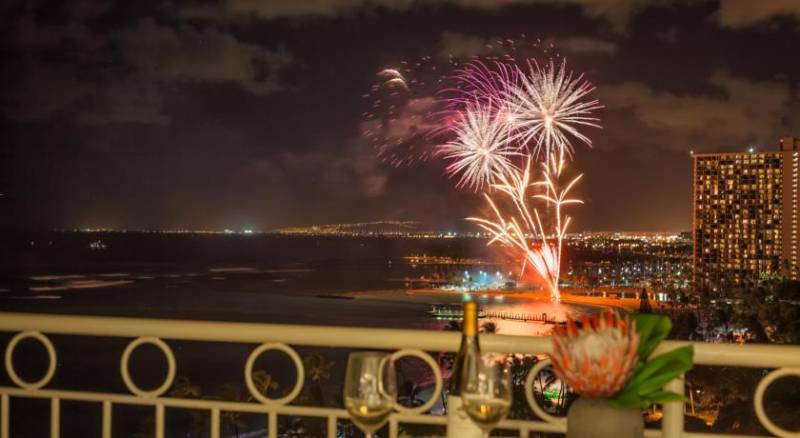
597,359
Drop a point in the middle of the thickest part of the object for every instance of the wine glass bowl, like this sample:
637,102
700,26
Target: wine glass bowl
370,390
486,391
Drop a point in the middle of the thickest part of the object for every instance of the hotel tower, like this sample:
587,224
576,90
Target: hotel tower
745,215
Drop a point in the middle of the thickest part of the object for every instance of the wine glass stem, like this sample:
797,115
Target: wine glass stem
368,435
486,434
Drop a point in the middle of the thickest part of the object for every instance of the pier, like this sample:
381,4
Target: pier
522,317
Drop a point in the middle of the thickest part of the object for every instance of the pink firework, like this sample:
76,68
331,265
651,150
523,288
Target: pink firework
492,121
541,114
413,105
404,118
482,82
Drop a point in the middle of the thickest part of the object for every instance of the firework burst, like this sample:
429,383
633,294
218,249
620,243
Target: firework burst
539,114
403,119
495,124
480,152
547,106
412,105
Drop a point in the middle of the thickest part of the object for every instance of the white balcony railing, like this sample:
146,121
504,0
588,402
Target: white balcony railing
785,360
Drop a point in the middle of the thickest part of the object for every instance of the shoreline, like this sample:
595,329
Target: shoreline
629,304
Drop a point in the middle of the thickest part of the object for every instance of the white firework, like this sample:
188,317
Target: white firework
547,107
513,230
481,151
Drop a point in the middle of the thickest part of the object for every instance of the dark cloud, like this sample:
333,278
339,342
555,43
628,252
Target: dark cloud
616,12
161,53
121,75
460,45
735,112
244,113
744,13
354,166
585,46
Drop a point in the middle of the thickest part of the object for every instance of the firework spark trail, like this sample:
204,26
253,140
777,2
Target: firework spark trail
477,113
540,112
480,151
398,127
402,122
514,231
558,198
494,122
546,106
488,83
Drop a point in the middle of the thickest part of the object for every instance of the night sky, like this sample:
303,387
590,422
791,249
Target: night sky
247,114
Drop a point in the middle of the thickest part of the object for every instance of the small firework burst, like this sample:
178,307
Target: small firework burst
480,152
404,118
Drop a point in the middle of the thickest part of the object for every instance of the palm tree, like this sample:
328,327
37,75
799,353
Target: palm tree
489,327
453,326
409,394
183,388
318,369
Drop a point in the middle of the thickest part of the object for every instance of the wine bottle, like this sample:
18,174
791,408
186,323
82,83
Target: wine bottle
459,425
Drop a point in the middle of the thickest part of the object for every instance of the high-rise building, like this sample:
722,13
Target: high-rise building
746,215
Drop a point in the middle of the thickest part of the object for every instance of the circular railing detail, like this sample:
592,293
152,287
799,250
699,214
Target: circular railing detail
9,359
758,401
126,376
298,364
535,370
437,374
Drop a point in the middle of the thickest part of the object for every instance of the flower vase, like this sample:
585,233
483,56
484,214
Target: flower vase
596,418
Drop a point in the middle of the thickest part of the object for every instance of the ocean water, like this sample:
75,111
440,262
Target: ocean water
269,279
259,278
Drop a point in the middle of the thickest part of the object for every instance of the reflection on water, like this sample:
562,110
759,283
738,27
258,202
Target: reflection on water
526,314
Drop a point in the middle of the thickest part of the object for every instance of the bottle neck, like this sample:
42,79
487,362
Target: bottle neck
470,324
469,343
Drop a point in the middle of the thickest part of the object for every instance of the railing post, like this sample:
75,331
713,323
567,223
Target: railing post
672,423
272,425
159,420
5,419
55,418
106,419
215,423
331,427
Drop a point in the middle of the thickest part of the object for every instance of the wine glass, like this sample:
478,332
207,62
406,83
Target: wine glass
486,391
370,390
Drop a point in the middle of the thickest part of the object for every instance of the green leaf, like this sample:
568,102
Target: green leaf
645,387
662,397
625,400
652,329
680,358
671,370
